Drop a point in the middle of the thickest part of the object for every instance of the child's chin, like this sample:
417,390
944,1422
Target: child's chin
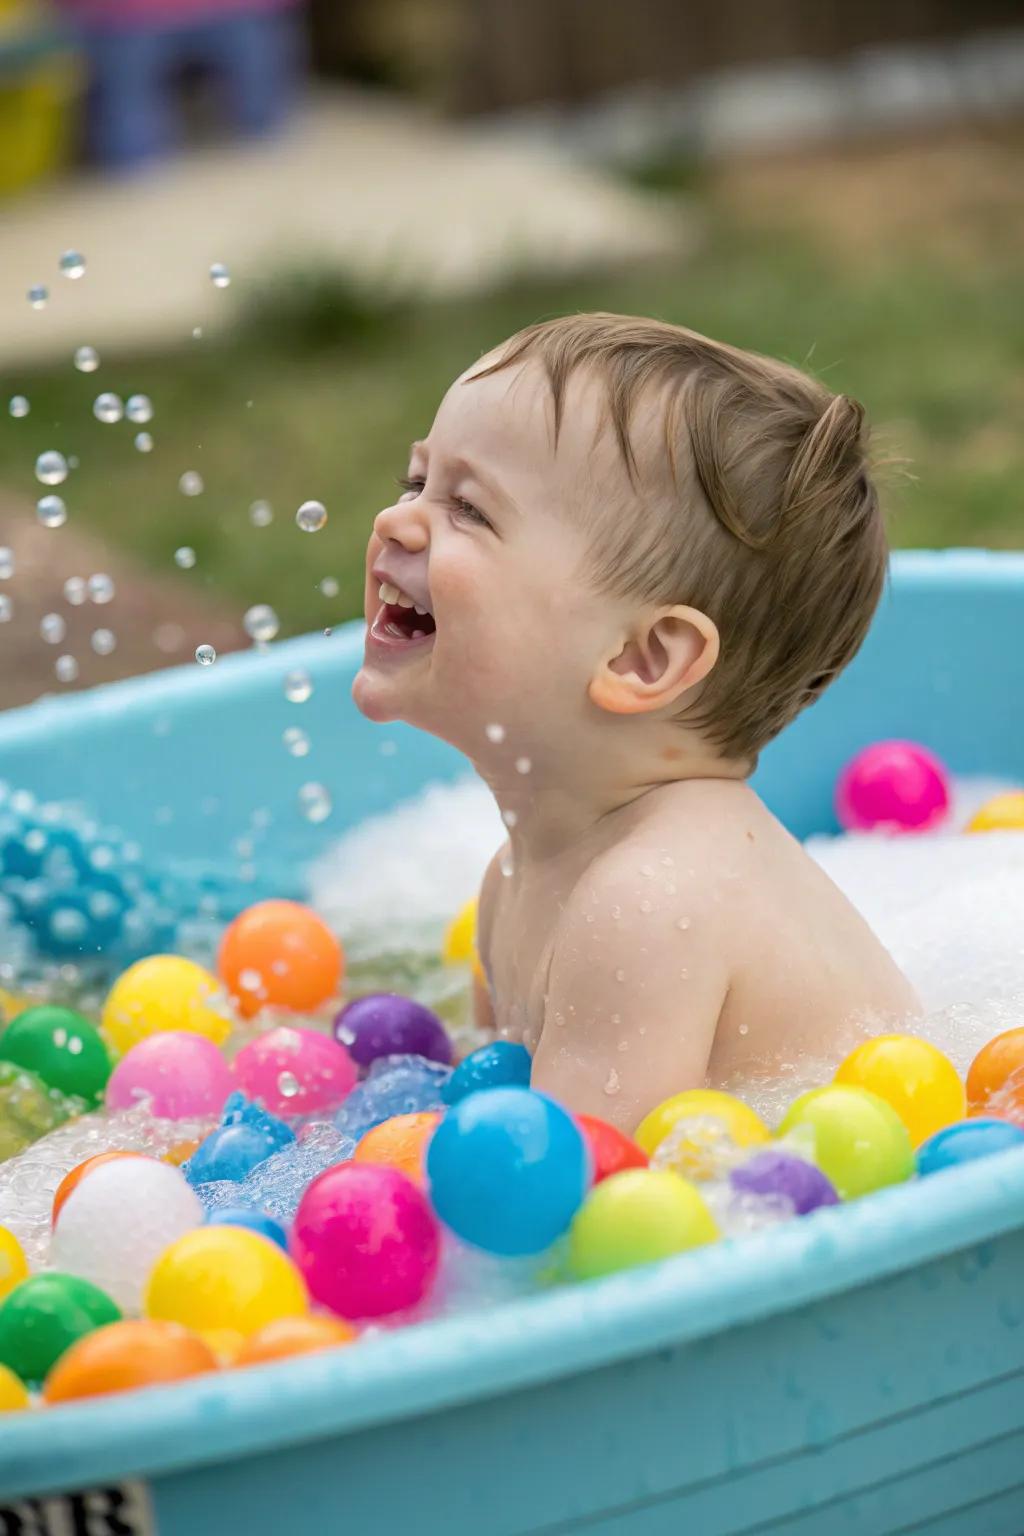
370,697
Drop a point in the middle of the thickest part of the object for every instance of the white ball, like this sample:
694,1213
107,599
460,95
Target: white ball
116,1224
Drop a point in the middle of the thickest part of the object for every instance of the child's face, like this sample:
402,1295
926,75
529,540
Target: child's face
489,541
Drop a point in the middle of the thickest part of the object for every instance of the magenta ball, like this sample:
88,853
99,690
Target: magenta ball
386,1024
893,786
180,1074
295,1071
366,1241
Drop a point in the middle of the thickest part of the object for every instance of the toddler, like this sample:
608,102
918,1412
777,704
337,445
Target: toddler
624,557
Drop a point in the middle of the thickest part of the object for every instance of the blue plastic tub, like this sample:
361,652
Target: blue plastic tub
861,1371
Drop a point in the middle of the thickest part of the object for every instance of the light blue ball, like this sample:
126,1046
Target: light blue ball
498,1065
255,1221
508,1169
965,1141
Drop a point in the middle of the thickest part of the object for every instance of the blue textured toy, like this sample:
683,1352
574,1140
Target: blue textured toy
498,1065
255,1221
247,1135
965,1141
395,1085
508,1169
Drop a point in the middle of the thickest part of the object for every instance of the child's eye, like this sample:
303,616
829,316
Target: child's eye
413,484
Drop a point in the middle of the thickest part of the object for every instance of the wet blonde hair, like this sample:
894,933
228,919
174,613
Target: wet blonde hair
767,519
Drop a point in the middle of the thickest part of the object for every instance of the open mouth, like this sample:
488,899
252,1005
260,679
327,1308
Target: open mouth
400,620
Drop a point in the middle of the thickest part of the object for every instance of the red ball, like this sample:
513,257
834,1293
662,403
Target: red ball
611,1150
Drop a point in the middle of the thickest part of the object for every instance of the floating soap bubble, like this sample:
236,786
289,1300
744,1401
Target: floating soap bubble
185,557
205,655
191,483
86,359
19,406
38,295
261,513
6,562
51,511
6,609
311,516
52,628
260,622
298,686
101,588
296,741
139,408
108,407
220,277
66,668
144,442
75,591
103,641
329,587
314,802
72,264
51,467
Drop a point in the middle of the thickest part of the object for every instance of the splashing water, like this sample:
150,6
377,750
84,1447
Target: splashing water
86,359
18,406
51,468
260,622
298,686
185,557
51,511
220,277
205,655
139,409
38,295
103,641
100,588
52,628
72,264
261,514
108,407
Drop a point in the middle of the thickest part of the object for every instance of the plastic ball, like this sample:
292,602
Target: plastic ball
401,1143
857,1140
295,1071
160,993
611,1150
291,1336
124,1356
71,1181
224,1278
773,1172
246,1137
459,947
13,1396
60,1047
180,1153
114,1226
181,1075
280,954
738,1121
13,1263
508,1169
502,1064
44,1316
995,1079
366,1241
1003,813
966,1142
893,786
385,1024
251,1219
637,1217
912,1075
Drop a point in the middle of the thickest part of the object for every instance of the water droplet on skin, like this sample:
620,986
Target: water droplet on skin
185,557
744,1029
18,406
646,906
103,641
288,1085
38,295
670,888
612,1084
684,974
191,483
505,863
101,588
66,669
205,655
144,442
509,818
108,407
298,686
647,871
6,562
86,359
261,513
139,409
314,802
620,974
523,765
329,587
682,923
296,741
52,628
616,913
6,609
51,511
72,264
51,468
220,277
495,733
623,1045
260,622
311,516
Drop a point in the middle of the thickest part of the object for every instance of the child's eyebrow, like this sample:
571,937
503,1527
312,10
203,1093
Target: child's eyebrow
461,462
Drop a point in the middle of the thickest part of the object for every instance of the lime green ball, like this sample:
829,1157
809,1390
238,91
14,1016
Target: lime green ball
29,1109
636,1217
856,1138
61,1047
43,1316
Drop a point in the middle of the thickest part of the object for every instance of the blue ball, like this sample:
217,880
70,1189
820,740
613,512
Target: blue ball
508,1170
965,1141
255,1221
498,1065
247,1135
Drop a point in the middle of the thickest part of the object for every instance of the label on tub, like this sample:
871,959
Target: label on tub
123,1509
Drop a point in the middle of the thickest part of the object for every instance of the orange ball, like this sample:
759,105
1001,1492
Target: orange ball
180,1153
70,1182
400,1142
280,954
995,1082
287,1336
125,1355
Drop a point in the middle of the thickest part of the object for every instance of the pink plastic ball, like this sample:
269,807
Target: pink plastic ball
180,1074
295,1071
366,1240
893,786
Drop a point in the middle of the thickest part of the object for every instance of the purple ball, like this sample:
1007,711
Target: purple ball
780,1173
385,1024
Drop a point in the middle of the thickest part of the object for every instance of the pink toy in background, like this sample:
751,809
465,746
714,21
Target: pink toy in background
295,1071
182,1075
893,786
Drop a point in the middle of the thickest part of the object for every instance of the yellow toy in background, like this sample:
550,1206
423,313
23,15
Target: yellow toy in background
459,946
13,1395
39,86
163,992
1003,813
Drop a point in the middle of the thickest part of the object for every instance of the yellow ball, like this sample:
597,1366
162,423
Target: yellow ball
220,1281
913,1076
13,1264
637,1217
163,992
694,1157
13,1396
11,1006
460,937
1003,813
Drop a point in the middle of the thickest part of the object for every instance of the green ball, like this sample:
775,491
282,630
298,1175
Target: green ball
43,1316
61,1047
856,1138
636,1217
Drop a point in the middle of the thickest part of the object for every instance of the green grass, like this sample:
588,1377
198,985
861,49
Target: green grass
317,394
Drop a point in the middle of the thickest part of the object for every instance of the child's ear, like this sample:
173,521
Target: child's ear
666,655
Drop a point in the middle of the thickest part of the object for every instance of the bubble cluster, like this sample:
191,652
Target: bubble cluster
260,622
51,468
311,516
51,511
108,407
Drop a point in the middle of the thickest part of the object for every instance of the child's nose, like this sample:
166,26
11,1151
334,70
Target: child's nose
402,524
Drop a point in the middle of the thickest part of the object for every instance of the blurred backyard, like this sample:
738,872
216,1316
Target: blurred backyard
892,264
